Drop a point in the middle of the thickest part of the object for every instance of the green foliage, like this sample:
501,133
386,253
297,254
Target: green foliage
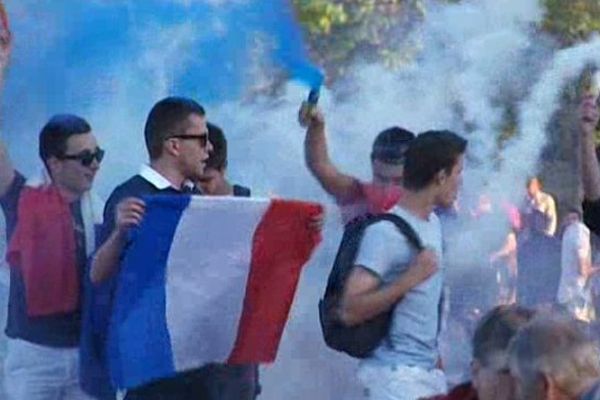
571,21
340,30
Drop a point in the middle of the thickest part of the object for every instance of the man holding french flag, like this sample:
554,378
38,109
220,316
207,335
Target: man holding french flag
183,281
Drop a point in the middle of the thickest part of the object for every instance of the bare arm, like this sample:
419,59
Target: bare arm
365,297
552,217
584,258
341,186
509,247
7,171
589,116
5,42
107,259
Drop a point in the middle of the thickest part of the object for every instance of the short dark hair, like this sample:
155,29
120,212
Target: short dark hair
57,131
166,119
218,156
391,144
496,329
428,154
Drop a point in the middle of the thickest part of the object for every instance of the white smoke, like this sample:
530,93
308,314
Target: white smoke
472,56
535,113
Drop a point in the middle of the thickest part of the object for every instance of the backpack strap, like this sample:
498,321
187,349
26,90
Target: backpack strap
353,233
404,227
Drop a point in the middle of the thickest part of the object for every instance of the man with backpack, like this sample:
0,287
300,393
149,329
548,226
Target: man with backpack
390,274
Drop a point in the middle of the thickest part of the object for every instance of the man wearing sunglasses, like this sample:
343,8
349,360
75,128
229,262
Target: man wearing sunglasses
178,146
177,142
50,225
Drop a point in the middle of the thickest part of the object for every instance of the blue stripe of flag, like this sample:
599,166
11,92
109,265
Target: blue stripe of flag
138,324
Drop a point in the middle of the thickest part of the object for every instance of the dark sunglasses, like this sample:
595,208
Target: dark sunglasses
86,157
202,139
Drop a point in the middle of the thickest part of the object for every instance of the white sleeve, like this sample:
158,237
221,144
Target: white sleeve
383,249
583,244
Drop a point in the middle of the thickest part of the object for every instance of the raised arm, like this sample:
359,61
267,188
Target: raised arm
7,171
342,187
5,42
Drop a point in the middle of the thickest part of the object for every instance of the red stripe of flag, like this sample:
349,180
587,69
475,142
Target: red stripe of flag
283,242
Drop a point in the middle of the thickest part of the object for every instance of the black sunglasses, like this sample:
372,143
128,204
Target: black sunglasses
86,157
202,139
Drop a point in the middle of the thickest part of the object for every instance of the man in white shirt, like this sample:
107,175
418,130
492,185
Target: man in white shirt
576,267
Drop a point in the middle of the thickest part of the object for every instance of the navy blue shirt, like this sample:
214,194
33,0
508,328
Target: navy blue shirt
59,330
183,385
136,186
94,377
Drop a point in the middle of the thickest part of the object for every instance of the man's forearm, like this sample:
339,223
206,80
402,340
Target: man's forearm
342,187
363,307
106,260
585,267
315,149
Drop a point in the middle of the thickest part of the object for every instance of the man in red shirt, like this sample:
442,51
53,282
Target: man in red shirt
357,198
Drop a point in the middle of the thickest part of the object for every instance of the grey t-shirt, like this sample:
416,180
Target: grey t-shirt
412,340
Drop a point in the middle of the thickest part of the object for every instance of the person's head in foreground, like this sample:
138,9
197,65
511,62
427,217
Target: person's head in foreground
490,370
552,358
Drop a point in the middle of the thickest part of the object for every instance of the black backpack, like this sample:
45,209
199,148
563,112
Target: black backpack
358,341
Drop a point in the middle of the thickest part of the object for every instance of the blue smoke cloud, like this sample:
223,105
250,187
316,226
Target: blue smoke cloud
93,35
73,56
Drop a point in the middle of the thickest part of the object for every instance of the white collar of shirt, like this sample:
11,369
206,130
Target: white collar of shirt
154,177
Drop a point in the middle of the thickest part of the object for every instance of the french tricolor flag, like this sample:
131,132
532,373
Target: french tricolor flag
206,280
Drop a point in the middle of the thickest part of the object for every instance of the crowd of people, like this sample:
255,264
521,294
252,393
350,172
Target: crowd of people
533,338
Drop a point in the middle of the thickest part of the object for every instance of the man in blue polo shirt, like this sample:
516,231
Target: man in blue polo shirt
178,145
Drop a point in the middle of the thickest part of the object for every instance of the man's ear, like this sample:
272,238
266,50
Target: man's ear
441,177
171,146
53,165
